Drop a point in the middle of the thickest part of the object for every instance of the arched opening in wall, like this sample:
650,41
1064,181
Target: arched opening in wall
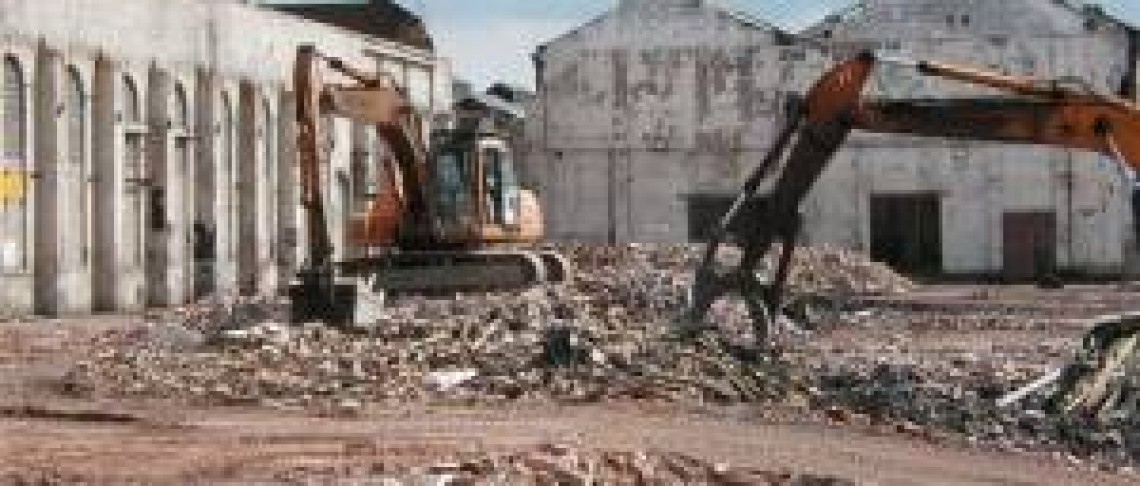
13,170
76,109
135,179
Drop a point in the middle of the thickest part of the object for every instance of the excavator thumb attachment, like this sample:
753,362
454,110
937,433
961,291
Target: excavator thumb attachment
1101,380
1096,382
759,220
764,214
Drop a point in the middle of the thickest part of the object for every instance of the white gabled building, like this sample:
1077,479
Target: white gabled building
625,158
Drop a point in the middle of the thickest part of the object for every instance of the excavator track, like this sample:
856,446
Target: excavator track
432,272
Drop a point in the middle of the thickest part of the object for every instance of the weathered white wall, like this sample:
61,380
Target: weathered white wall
82,232
979,181
650,103
661,98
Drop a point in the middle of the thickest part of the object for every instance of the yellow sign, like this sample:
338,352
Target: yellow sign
13,185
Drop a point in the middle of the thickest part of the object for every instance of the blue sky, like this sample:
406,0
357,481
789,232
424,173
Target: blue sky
491,40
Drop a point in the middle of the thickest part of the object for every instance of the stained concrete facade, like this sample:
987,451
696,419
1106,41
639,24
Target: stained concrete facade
147,147
978,184
657,100
654,101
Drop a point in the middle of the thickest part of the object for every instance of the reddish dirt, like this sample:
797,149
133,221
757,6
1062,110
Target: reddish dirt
45,436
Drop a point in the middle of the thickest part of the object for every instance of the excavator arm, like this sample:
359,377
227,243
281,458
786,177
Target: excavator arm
371,99
766,212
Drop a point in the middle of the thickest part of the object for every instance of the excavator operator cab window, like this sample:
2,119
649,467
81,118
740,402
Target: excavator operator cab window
502,188
452,173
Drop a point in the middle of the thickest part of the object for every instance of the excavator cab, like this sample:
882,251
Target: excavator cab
479,196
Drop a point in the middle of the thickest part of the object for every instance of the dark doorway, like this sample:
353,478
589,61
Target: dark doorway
906,232
705,213
1030,245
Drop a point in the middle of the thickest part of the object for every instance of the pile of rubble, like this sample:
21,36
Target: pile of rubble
608,334
953,391
826,270
563,465
459,349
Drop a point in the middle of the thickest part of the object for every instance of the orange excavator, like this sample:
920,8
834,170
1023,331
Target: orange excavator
765,217
441,220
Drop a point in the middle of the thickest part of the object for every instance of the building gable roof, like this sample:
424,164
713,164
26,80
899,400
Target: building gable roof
384,19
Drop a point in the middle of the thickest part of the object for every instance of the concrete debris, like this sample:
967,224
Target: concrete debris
563,465
883,358
935,389
606,335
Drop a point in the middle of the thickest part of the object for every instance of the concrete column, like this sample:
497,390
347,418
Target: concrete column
225,147
63,281
17,285
108,189
288,193
118,196
269,130
253,236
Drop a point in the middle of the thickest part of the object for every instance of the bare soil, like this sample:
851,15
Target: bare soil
46,437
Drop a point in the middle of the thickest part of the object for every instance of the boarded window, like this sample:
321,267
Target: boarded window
13,169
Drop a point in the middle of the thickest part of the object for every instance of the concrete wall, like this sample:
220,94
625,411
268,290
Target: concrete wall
113,206
979,182
650,103
658,99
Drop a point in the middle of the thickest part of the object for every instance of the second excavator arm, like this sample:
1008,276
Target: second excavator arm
1031,112
767,211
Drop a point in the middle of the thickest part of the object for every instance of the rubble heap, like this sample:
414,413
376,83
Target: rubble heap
566,465
826,270
952,390
607,334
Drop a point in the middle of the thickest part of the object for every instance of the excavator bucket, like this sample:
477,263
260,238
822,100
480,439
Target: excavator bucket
817,126
317,297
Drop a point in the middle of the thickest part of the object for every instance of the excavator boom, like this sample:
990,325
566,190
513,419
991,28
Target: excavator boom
1031,112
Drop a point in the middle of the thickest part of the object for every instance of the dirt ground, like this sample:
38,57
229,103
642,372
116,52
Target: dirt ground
46,437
